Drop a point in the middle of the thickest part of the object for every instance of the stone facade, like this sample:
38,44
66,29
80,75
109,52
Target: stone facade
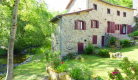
67,38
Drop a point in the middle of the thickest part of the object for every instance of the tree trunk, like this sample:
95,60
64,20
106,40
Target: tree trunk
11,43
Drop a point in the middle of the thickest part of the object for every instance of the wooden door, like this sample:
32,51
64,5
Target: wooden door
102,41
80,48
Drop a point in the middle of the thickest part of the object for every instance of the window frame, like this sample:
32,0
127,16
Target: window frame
81,27
108,11
95,6
79,24
93,24
124,14
118,13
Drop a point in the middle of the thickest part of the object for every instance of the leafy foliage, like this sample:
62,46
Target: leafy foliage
2,51
79,73
89,49
112,40
104,53
125,3
130,68
136,33
131,34
125,43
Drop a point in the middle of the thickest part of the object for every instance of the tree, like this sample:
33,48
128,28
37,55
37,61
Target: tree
11,42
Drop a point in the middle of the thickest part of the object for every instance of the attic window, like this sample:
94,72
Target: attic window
108,11
118,13
124,14
95,6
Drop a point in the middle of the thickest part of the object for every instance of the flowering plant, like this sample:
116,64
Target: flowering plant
130,68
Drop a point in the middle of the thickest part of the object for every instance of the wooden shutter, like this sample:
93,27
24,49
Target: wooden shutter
116,26
94,39
129,29
112,27
76,24
121,29
84,25
97,24
91,23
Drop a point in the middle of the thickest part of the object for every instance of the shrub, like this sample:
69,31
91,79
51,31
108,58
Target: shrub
78,73
52,58
2,51
70,56
131,35
125,43
62,68
104,53
136,33
112,40
130,68
89,49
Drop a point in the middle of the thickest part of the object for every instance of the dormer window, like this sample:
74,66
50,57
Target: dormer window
118,13
124,14
108,11
95,6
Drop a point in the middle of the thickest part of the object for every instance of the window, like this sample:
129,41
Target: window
118,13
124,29
94,24
80,25
94,39
108,11
95,6
124,14
118,27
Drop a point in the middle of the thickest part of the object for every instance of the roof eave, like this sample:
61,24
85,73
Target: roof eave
59,16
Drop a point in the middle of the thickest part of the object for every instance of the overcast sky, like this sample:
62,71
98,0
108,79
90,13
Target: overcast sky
57,5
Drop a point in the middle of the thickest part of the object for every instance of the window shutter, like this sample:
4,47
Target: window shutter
129,29
115,26
76,24
112,27
91,23
84,25
121,29
94,39
97,24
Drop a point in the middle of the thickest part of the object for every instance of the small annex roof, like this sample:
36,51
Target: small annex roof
102,1
59,16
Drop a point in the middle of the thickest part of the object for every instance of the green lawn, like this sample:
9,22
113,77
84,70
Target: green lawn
100,66
35,70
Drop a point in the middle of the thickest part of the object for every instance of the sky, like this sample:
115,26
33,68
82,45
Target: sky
57,5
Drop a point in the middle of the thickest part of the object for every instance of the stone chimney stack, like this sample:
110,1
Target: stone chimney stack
135,6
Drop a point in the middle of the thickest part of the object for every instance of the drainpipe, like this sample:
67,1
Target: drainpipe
60,34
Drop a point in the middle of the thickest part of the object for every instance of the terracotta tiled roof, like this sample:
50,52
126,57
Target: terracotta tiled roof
102,1
59,16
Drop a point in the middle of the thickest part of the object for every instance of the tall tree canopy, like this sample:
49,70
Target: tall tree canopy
126,3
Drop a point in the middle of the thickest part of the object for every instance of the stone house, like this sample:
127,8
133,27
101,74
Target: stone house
90,21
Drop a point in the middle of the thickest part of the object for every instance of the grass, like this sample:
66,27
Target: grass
35,69
101,66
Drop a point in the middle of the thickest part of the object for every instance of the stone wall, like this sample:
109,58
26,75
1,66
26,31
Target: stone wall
55,43
71,37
